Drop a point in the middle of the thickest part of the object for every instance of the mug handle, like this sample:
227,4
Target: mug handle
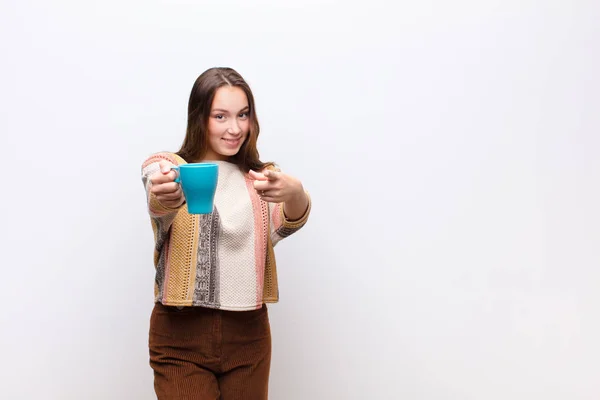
173,168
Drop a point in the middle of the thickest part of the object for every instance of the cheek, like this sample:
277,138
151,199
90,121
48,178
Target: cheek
245,126
213,131
211,127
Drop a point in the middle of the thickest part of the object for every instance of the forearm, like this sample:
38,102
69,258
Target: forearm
158,209
296,207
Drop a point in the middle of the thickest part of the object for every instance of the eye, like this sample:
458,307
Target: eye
220,116
244,115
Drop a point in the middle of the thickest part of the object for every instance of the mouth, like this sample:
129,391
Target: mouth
232,142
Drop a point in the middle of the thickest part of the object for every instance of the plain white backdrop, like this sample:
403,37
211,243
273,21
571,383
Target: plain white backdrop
451,149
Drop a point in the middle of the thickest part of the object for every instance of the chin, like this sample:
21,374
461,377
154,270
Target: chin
229,152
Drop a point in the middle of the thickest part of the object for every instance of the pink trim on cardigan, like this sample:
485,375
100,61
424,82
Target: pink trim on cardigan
276,217
261,210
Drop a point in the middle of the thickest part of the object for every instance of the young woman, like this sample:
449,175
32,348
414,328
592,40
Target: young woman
209,330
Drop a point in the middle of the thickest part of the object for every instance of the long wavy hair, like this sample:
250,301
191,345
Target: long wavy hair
195,144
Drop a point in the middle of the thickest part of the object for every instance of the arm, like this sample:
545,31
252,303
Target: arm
296,206
289,203
281,225
163,194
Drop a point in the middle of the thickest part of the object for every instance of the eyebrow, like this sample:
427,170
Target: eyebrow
226,111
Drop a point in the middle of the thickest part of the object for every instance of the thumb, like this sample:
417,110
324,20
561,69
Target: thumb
272,175
165,166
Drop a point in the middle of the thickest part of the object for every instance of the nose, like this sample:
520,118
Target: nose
234,128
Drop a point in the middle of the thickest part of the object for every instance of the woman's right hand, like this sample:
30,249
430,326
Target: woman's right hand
164,187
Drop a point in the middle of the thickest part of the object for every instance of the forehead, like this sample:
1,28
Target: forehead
230,98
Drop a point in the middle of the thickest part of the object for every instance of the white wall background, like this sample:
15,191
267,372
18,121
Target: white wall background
451,148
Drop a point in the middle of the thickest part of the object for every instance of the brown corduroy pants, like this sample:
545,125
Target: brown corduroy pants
199,353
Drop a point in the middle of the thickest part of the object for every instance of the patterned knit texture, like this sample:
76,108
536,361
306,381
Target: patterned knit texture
224,259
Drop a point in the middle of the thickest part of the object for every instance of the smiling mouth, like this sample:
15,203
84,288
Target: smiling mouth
232,141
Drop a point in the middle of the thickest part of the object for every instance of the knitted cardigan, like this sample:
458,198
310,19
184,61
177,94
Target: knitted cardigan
224,259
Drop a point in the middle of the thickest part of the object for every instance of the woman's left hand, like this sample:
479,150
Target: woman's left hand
276,187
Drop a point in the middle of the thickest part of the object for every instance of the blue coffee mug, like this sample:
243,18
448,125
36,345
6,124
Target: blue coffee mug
199,185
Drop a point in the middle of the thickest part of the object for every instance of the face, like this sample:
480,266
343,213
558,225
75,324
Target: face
228,124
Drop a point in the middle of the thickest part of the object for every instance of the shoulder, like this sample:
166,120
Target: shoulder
163,155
